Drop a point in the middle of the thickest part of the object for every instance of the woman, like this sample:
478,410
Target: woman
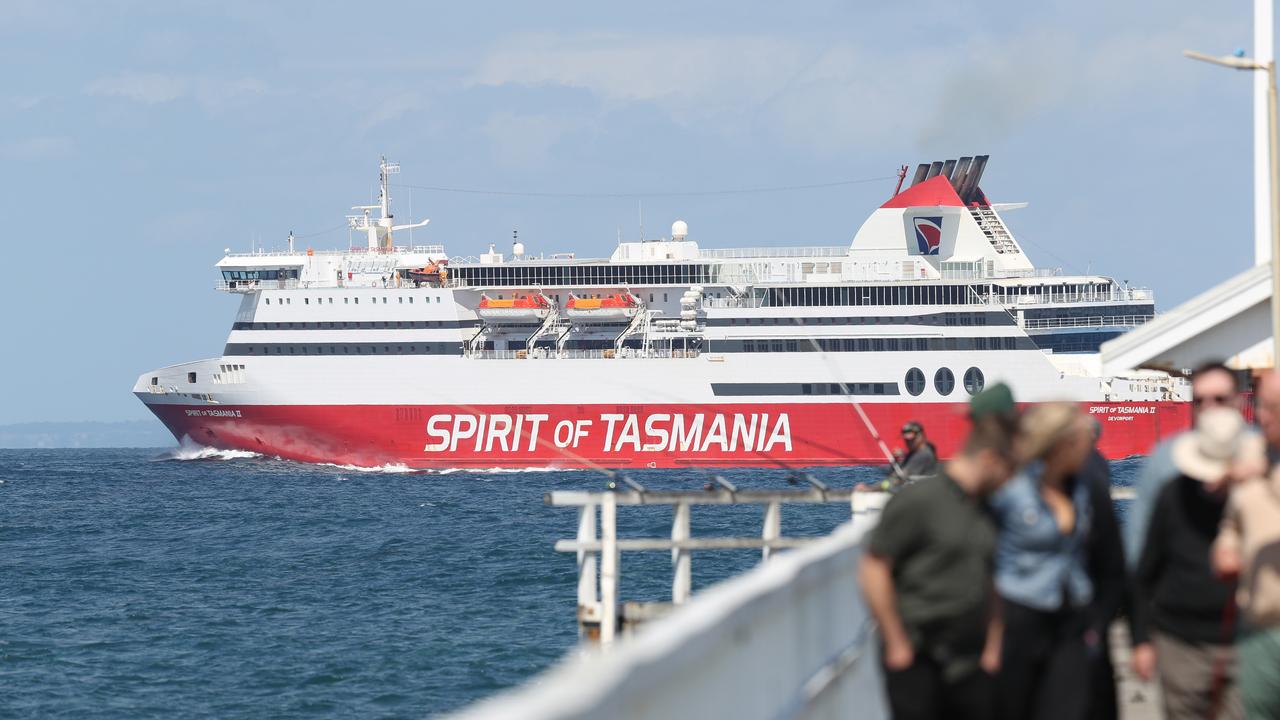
1044,517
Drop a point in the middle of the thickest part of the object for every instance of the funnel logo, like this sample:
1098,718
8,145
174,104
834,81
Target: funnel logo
928,234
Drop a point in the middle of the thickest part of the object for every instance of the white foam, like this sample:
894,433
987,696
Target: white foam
390,468
189,449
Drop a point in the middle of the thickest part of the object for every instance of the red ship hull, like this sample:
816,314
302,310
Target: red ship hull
781,435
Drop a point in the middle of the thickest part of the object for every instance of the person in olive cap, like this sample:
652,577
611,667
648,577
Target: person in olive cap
995,402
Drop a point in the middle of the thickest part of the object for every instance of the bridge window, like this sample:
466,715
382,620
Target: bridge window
191,377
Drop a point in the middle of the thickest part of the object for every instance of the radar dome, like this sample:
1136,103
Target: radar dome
517,249
679,230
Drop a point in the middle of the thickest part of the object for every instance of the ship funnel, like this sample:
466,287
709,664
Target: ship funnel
947,167
934,169
921,173
969,192
961,171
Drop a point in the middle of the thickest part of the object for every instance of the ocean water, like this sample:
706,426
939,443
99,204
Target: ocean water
158,583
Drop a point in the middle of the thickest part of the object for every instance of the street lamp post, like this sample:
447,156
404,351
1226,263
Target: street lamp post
1244,63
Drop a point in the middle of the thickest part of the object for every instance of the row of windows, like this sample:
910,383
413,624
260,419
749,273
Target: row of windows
873,344
944,381
350,300
343,349
266,274
875,295
564,275
355,325
1086,342
953,319
822,388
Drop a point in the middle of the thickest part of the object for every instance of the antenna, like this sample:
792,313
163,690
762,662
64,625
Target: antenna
640,211
290,242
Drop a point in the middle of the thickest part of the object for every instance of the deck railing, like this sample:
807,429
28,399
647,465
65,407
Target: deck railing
1077,322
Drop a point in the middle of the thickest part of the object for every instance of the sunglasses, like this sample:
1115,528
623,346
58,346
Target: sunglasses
1212,400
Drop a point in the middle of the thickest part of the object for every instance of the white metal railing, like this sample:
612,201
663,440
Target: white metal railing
1113,295
548,354
251,285
353,250
1100,321
775,252
742,301
790,639
598,601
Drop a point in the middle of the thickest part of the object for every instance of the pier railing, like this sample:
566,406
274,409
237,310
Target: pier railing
599,616
790,639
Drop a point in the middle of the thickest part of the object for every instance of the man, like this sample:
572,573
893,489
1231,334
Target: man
1212,385
1183,613
927,577
921,459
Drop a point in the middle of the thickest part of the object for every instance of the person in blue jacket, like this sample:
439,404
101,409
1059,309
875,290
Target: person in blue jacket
1044,517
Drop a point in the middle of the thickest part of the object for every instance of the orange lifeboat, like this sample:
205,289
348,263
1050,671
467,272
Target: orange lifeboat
435,273
610,308
531,308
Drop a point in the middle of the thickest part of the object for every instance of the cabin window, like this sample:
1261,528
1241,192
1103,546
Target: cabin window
191,377
155,381
915,381
944,381
973,381
268,301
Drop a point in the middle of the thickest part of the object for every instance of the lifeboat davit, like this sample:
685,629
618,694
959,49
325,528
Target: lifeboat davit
610,308
531,308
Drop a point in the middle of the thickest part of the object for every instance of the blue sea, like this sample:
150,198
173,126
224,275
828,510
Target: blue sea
188,583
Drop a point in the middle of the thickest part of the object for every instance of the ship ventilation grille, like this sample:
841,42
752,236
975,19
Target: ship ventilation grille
993,227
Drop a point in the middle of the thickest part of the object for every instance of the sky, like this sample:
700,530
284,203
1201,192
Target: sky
140,139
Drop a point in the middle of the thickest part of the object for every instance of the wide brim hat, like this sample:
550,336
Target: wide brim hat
1220,438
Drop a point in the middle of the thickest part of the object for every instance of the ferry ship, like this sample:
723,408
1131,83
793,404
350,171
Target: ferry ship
665,353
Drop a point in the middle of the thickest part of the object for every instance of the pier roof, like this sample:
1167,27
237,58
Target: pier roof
1230,321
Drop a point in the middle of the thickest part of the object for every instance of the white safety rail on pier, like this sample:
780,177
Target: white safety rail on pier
790,639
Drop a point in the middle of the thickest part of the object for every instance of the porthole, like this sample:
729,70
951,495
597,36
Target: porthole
915,381
944,381
974,381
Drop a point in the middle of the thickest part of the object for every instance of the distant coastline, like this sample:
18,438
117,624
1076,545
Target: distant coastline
124,434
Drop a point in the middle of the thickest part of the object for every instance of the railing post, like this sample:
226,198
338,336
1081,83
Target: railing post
608,568
588,595
681,559
772,527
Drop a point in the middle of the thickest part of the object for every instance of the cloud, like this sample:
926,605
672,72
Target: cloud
38,148
669,71
522,141
151,88
844,96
